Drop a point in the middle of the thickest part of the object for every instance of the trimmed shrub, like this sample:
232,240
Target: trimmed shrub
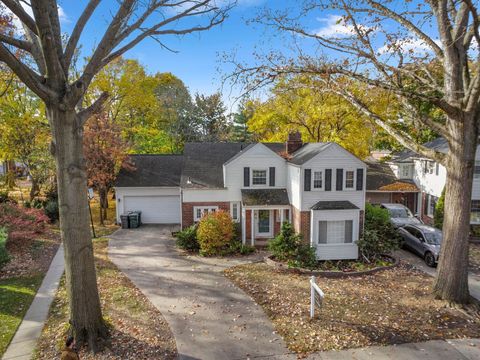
215,233
289,246
22,223
379,235
51,210
439,210
3,250
187,239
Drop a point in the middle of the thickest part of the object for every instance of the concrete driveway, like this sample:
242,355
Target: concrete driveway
417,262
209,317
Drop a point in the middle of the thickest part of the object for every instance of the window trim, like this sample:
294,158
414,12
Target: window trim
237,204
209,208
343,243
322,179
354,183
266,177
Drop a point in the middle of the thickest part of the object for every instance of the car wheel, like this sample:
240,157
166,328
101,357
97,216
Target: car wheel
429,259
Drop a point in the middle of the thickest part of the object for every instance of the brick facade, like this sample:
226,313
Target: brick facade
187,210
423,211
301,223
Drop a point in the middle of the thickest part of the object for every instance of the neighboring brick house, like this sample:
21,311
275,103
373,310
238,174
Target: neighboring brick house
319,187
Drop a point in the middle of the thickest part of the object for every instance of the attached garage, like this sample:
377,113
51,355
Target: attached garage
152,186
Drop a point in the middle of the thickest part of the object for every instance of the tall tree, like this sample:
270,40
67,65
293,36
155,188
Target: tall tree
47,71
390,45
105,153
300,104
25,135
240,119
209,113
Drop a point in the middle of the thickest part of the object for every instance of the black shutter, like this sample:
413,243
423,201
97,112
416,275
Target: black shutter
307,184
339,180
328,179
359,179
246,176
271,173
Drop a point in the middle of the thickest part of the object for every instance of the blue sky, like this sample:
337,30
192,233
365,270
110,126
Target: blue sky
198,61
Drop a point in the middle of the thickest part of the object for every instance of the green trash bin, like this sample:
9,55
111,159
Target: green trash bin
134,219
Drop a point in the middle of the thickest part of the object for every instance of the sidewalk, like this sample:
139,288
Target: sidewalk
460,349
23,343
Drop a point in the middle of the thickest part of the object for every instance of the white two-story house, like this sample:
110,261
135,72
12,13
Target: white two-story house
427,179
319,187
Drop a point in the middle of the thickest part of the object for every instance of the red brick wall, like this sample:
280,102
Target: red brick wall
301,222
187,210
248,224
425,218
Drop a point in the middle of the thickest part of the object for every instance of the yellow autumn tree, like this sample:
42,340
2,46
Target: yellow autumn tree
299,104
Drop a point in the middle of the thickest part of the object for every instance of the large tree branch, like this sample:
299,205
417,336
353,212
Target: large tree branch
402,138
15,7
93,109
77,32
28,76
18,43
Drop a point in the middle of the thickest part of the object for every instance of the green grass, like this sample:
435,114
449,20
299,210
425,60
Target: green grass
16,295
3,250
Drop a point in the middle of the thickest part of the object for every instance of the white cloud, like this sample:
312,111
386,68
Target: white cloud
335,26
410,45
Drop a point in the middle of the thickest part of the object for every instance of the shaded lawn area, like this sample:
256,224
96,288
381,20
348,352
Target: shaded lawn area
389,307
16,295
109,225
138,329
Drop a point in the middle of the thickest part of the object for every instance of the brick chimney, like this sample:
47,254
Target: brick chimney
294,142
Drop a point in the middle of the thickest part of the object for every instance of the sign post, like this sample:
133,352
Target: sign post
316,297
90,197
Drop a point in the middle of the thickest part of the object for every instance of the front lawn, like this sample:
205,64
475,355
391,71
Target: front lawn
389,307
16,295
138,329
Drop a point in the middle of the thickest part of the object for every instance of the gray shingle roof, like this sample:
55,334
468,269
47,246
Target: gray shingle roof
334,205
379,174
307,152
252,197
439,144
203,163
151,170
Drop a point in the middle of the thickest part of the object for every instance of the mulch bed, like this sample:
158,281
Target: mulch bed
31,256
390,307
138,329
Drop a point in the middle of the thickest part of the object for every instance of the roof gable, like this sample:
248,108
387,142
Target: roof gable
326,149
258,149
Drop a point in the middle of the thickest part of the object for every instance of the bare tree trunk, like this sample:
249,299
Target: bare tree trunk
103,204
35,189
85,310
451,283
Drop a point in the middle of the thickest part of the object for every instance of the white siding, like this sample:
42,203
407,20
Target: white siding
210,195
334,157
429,183
476,182
257,157
335,251
122,192
294,185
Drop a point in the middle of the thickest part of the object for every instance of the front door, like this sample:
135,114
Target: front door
264,224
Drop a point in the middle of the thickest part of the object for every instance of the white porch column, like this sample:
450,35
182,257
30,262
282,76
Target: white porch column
282,213
252,226
244,226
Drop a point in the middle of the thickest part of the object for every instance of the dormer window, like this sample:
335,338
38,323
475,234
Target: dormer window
259,177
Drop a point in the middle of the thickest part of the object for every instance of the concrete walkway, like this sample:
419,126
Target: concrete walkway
417,262
23,343
464,349
209,317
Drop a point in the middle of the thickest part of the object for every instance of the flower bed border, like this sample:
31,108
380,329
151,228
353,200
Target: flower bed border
329,274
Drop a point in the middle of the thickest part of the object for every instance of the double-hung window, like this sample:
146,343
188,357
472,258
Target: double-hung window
317,179
200,211
235,211
259,177
349,179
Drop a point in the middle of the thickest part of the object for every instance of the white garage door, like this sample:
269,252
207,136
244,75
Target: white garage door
163,209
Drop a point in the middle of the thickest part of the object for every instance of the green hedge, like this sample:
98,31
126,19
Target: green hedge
3,250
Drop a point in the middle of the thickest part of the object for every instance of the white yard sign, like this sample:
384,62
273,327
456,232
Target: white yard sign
316,296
